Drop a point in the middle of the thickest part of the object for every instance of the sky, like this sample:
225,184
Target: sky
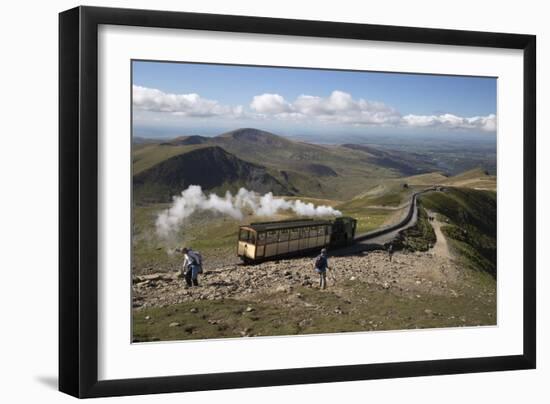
172,99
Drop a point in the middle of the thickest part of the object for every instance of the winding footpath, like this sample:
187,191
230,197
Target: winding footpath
441,248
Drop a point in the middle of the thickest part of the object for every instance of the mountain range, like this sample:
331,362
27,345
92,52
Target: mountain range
262,161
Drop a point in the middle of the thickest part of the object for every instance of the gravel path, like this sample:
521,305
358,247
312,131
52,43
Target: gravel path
441,248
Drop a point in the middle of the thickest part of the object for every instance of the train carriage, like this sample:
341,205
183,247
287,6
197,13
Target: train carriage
269,240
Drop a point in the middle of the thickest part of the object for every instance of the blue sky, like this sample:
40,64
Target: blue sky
185,98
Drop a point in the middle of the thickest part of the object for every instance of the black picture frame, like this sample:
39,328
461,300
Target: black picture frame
78,201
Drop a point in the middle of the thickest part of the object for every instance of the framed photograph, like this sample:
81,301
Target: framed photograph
251,201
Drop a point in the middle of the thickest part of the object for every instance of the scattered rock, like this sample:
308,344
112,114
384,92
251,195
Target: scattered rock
245,332
249,309
410,274
174,324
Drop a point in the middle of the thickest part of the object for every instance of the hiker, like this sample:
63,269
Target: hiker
390,250
321,266
192,266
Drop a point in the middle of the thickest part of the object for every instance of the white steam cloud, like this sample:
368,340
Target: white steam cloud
194,199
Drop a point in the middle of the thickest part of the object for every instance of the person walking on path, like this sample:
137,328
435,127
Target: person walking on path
191,267
390,251
321,266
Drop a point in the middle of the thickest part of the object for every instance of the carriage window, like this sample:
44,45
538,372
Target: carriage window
294,234
305,232
283,235
252,238
272,236
261,238
321,231
243,235
313,231
328,230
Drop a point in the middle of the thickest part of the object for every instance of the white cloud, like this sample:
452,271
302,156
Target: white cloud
449,121
191,105
338,107
270,104
341,107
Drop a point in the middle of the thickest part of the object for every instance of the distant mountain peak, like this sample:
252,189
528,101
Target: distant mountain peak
186,140
211,167
255,135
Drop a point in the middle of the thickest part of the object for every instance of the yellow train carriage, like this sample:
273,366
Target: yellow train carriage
267,240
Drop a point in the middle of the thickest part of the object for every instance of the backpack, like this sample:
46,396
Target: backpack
193,259
319,261
196,259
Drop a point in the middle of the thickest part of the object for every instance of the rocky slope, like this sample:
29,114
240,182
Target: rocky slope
407,273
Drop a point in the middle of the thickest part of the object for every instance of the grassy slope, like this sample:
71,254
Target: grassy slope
476,178
426,179
471,229
211,167
420,237
365,307
146,156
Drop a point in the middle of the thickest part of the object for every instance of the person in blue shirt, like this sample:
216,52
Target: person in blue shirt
321,266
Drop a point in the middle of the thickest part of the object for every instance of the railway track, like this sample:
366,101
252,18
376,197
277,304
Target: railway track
376,239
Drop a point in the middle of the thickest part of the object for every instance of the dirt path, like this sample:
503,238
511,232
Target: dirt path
441,248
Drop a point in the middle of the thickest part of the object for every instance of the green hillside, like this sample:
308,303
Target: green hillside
300,168
148,155
211,167
477,178
472,224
